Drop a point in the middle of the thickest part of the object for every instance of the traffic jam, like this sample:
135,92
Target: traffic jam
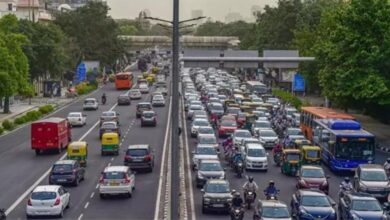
247,144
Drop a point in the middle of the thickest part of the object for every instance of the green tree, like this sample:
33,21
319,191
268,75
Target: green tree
127,30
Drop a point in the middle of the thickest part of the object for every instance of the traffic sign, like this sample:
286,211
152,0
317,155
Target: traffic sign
298,83
81,72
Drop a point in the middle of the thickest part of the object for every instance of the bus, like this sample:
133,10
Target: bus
257,87
309,114
123,80
344,144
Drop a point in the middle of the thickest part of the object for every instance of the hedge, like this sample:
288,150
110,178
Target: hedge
1,130
288,97
8,125
29,116
45,109
84,88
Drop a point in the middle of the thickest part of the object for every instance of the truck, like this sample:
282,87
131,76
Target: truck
50,134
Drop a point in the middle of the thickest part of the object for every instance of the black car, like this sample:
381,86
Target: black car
143,106
360,206
124,99
139,157
66,172
109,126
216,196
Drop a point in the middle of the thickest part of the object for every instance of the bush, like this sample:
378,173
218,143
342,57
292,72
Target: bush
288,97
84,88
34,115
1,130
46,109
20,120
8,125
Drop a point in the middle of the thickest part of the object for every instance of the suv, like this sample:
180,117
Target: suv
209,169
148,118
372,179
109,116
66,171
143,106
109,126
139,157
216,196
116,180
360,206
90,104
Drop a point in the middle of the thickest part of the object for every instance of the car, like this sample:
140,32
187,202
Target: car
216,196
135,94
245,141
124,99
372,179
296,117
66,172
240,134
271,209
148,118
233,111
109,126
48,200
313,204
216,108
199,122
140,156
295,134
206,130
255,157
191,110
77,119
199,114
257,100
290,111
268,138
142,106
312,177
357,205
161,86
91,104
158,100
116,180
109,116
260,124
201,153
227,128
209,169
143,88
207,140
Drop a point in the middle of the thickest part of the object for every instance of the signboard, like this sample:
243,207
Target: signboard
298,83
81,72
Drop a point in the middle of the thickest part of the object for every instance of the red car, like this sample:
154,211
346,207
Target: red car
227,127
313,177
241,119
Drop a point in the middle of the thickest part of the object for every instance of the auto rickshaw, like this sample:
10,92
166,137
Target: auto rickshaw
291,161
145,75
151,79
78,150
110,143
268,106
250,119
311,155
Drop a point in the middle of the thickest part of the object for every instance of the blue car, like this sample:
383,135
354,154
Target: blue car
360,206
66,172
313,205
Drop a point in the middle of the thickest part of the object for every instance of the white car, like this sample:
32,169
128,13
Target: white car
90,104
135,94
158,100
240,134
48,200
77,118
255,157
260,124
199,122
268,138
116,180
191,110
143,88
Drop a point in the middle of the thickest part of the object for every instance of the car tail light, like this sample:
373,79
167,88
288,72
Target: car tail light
127,157
101,180
29,202
127,179
57,202
148,158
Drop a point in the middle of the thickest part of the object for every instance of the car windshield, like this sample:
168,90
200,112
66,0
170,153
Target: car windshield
205,131
257,100
313,153
143,106
275,212
62,168
108,114
43,195
114,175
312,173
137,152
229,124
256,153
157,97
294,132
201,123
355,149
89,102
315,201
262,124
199,112
109,125
210,167
243,134
373,175
207,140
74,115
366,205
148,114
134,91
206,151
267,134
217,188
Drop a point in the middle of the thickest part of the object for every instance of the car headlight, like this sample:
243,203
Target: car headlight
206,200
200,176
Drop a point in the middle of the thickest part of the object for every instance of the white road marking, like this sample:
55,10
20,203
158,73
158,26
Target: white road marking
109,164
92,194
157,206
86,205
40,179
112,158
80,217
97,186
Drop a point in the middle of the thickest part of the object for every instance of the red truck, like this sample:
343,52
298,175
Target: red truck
50,134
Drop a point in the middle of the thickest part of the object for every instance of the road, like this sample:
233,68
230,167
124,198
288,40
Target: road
21,168
286,184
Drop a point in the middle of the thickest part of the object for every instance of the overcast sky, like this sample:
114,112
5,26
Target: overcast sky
216,9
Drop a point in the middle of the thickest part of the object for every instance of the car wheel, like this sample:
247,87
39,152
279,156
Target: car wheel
37,151
76,182
61,214
129,195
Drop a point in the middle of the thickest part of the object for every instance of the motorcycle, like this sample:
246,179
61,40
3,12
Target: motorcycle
3,216
249,199
237,213
239,167
271,196
104,99
278,158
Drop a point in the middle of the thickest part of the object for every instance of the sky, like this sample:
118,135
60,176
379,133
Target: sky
216,9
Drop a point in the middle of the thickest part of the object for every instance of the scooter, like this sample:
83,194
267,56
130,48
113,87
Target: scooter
278,158
271,196
249,199
104,100
239,167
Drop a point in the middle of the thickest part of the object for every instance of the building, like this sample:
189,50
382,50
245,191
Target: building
25,9
73,4
233,16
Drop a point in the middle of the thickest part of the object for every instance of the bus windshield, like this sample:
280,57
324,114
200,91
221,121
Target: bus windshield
354,149
122,77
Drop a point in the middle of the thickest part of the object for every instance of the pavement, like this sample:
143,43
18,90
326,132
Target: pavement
23,170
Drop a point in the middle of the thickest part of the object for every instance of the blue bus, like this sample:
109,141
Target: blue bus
344,144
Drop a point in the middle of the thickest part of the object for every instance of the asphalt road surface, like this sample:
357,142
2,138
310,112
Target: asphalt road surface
21,168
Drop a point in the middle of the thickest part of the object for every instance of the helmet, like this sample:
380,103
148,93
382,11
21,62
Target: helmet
271,182
250,179
236,194
346,179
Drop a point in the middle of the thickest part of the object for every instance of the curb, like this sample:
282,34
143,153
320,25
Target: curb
20,113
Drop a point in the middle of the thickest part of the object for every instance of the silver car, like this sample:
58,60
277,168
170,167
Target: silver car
199,122
372,179
90,104
135,94
202,153
209,169
191,110
116,180
268,138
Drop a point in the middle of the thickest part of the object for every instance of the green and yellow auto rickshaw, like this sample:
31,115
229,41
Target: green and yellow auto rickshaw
291,161
311,155
250,119
78,150
110,143
299,143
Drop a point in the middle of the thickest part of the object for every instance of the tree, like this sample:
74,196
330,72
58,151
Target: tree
128,30
13,63
95,33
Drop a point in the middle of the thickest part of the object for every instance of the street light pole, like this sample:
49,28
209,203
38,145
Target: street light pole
175,183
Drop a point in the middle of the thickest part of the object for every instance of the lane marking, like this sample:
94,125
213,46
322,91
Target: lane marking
80,217
165,146
40,179
86,205
112,158
97,186
109,164
92,195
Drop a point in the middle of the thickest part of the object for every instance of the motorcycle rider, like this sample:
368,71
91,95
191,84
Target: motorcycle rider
250,186
104,98
271,189
237,157
386,166
346,185
237,200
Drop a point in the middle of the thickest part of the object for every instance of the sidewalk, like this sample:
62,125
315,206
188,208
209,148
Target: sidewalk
380,130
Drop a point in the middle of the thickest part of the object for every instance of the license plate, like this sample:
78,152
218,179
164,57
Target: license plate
218,205
114,184
61,180
138,160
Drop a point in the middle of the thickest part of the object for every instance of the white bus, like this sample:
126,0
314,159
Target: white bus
256,87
